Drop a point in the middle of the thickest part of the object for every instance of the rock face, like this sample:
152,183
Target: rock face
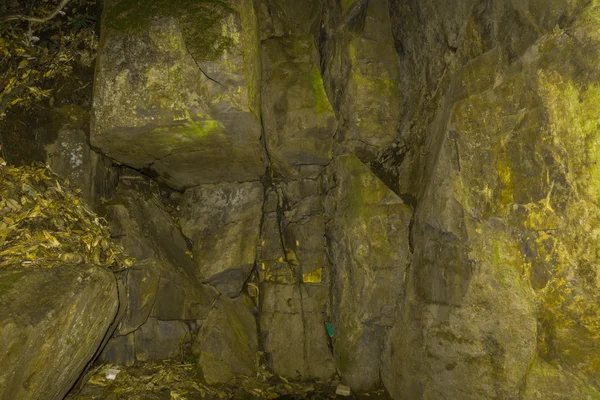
485,287
52,323
368,237
179,97
298,120
503,273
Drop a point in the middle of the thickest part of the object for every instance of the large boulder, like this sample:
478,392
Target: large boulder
52,322
369,247
177,90
298,119
223,222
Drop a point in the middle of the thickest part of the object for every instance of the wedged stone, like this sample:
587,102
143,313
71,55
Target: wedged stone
141,284
177,96
293,331
298,119
178,298
227,343
223,221
159,340
369,247
52,322
289,17
71,157
362,76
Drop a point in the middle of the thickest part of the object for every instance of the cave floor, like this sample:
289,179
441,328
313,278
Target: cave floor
172,380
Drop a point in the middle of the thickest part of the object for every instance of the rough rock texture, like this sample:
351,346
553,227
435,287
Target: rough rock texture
369,246
298,120
294,333
289,17
71,157
227,343
361,74
223,222
162,286
177,90
52,321
501,294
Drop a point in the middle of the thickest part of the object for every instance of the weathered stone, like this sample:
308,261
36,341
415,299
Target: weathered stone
362,75
227,344
369,247
504,232
70,157
51,324
141,283
159,340
223,221
289,17
294,332
177,96
298,119
120,350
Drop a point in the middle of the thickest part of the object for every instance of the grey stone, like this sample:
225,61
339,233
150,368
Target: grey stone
179,97
223,221
298,120
289,17
227,343
362,75
159,340
120,350
52,323
294,332
369,247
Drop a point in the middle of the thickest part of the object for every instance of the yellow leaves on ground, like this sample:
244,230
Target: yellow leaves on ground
42,223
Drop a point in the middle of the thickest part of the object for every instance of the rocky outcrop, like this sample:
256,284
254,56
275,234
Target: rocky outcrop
52,321
369,249
177,96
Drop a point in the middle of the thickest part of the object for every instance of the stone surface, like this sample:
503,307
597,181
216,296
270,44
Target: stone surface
294,332
227,344
141,284
177,96
500,299
298,120
289,17
361,74
71,157
223,222
159,340
52,323
162,285
369,249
